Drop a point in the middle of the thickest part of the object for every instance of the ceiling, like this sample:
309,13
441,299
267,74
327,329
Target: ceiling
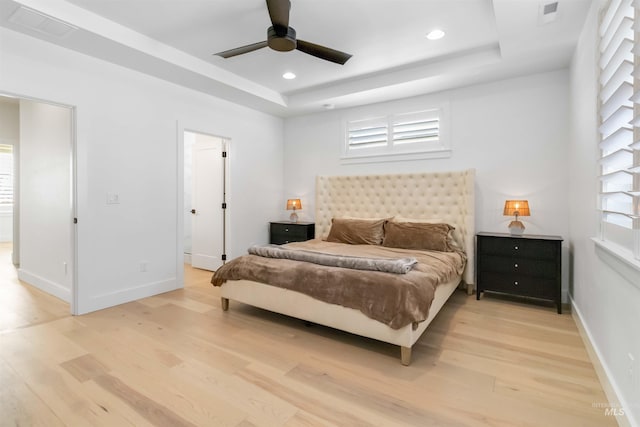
174,40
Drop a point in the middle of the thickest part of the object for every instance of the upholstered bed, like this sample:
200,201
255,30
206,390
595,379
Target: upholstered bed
446,197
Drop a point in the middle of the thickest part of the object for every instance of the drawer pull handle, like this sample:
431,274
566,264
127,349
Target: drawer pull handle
286,229
515,265
515,283
515,247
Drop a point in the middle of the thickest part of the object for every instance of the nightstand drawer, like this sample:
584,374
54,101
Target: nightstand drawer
515,284
287,232
524,266
522,248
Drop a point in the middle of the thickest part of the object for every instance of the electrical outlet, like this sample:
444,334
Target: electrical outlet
144,265
66,270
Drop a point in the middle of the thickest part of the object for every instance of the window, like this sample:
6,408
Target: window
397,137
6,174
619,110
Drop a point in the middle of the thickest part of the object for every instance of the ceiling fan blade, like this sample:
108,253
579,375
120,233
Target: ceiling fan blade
279,12
240,50
323,52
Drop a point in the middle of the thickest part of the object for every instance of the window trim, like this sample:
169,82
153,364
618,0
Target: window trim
619,259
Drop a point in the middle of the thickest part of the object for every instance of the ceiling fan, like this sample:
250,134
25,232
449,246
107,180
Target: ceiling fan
282,37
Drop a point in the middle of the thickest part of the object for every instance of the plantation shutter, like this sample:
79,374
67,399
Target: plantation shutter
369,133
619,96
420,127
6,174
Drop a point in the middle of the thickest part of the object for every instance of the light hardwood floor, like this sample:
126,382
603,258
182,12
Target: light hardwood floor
178,360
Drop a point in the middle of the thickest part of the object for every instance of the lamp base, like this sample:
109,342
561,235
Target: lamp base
293,217
516,228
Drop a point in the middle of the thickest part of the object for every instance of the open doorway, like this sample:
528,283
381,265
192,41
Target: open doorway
204,207
37,193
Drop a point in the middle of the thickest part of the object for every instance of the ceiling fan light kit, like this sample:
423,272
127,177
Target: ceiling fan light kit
282,38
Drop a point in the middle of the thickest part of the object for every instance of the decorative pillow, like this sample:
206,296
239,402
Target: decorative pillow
418,235
357,231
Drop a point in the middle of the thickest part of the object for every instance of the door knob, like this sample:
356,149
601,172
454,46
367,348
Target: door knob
193,211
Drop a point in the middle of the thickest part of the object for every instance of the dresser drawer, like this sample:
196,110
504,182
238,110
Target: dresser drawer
522,248
517,265
516,284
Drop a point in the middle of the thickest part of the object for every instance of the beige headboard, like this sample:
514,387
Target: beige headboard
448,196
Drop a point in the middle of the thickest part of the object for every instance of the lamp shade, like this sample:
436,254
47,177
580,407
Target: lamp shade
293,204
516,207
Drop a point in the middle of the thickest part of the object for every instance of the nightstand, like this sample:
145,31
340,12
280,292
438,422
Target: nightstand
526,266
287,232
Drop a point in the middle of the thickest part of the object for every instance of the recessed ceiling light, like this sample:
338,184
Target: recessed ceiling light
328,106
289,75
435,35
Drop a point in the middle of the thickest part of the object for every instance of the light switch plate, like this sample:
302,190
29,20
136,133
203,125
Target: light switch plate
113,199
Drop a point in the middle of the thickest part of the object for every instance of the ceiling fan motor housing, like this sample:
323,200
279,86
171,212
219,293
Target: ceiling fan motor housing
282,39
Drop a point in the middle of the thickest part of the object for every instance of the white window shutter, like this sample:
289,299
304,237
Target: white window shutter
368,133
418,127
619,112
6,174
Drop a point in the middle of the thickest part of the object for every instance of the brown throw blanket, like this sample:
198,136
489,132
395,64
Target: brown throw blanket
393,299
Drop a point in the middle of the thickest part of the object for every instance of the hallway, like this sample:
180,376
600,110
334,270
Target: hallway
29,306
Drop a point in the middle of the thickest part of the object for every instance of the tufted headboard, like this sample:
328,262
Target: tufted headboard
448,196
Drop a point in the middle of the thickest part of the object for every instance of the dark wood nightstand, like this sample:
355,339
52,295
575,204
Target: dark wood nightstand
527,265
281,232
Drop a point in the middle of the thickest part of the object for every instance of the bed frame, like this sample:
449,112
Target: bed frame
447,196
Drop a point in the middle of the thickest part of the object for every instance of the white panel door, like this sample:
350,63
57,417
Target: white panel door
45,227
207,214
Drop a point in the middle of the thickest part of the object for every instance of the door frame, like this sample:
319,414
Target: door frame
73,166
181,128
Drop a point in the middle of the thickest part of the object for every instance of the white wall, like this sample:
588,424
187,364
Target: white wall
9,122
513,132
45,197
127,144
608,304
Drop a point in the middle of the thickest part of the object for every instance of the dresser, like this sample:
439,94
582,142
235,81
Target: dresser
281,232
526,266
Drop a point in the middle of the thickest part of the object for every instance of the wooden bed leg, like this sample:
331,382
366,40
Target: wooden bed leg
225,303
470,289
405,355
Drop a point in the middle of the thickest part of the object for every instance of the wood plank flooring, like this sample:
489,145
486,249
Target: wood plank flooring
177,360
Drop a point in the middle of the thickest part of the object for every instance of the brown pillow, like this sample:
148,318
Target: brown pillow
421,236
357,231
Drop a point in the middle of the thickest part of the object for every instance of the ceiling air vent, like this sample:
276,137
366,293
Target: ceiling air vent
548,12
40,22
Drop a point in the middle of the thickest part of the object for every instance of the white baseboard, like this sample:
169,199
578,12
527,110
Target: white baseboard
133,293
45,285
609,385
187,259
